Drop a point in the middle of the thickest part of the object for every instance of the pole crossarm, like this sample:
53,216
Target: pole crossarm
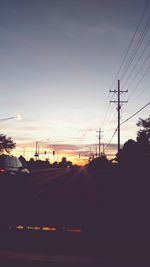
122,101
116,91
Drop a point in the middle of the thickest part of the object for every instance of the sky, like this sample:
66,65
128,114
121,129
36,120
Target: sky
58,61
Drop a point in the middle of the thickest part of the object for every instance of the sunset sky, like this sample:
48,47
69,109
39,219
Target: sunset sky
58,61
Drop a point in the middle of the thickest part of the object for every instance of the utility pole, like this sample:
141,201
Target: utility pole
103,149
36,150
99,140
90,153
38,147
96,152
118,108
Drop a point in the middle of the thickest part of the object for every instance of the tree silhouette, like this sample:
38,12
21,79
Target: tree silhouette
143,136
137,153
99,163
143,140
65,163
129,154
6,144
145,124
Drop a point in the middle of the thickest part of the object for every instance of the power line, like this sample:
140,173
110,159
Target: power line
136,64
124,122
135,113
106,112
140,93
111,138
133,53
139,70
133,37
147,26
139,42
109,109
141,79
138,83
127,52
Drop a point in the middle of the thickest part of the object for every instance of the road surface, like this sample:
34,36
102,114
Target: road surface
62,196
74,199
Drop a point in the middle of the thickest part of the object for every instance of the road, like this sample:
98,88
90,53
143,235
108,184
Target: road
62,196
74,198
57,196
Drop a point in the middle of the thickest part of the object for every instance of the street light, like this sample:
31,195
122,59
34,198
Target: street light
18,117
37,148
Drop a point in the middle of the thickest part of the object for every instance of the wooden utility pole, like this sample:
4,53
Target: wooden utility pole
96,151
118,108
103,149
99,140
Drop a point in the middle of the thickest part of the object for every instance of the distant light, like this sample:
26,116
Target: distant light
74,230
20,227
36,228
18,117
46,228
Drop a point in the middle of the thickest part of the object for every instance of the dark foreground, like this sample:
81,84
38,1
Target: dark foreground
75,218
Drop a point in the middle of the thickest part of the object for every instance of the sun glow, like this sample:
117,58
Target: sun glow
18,117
